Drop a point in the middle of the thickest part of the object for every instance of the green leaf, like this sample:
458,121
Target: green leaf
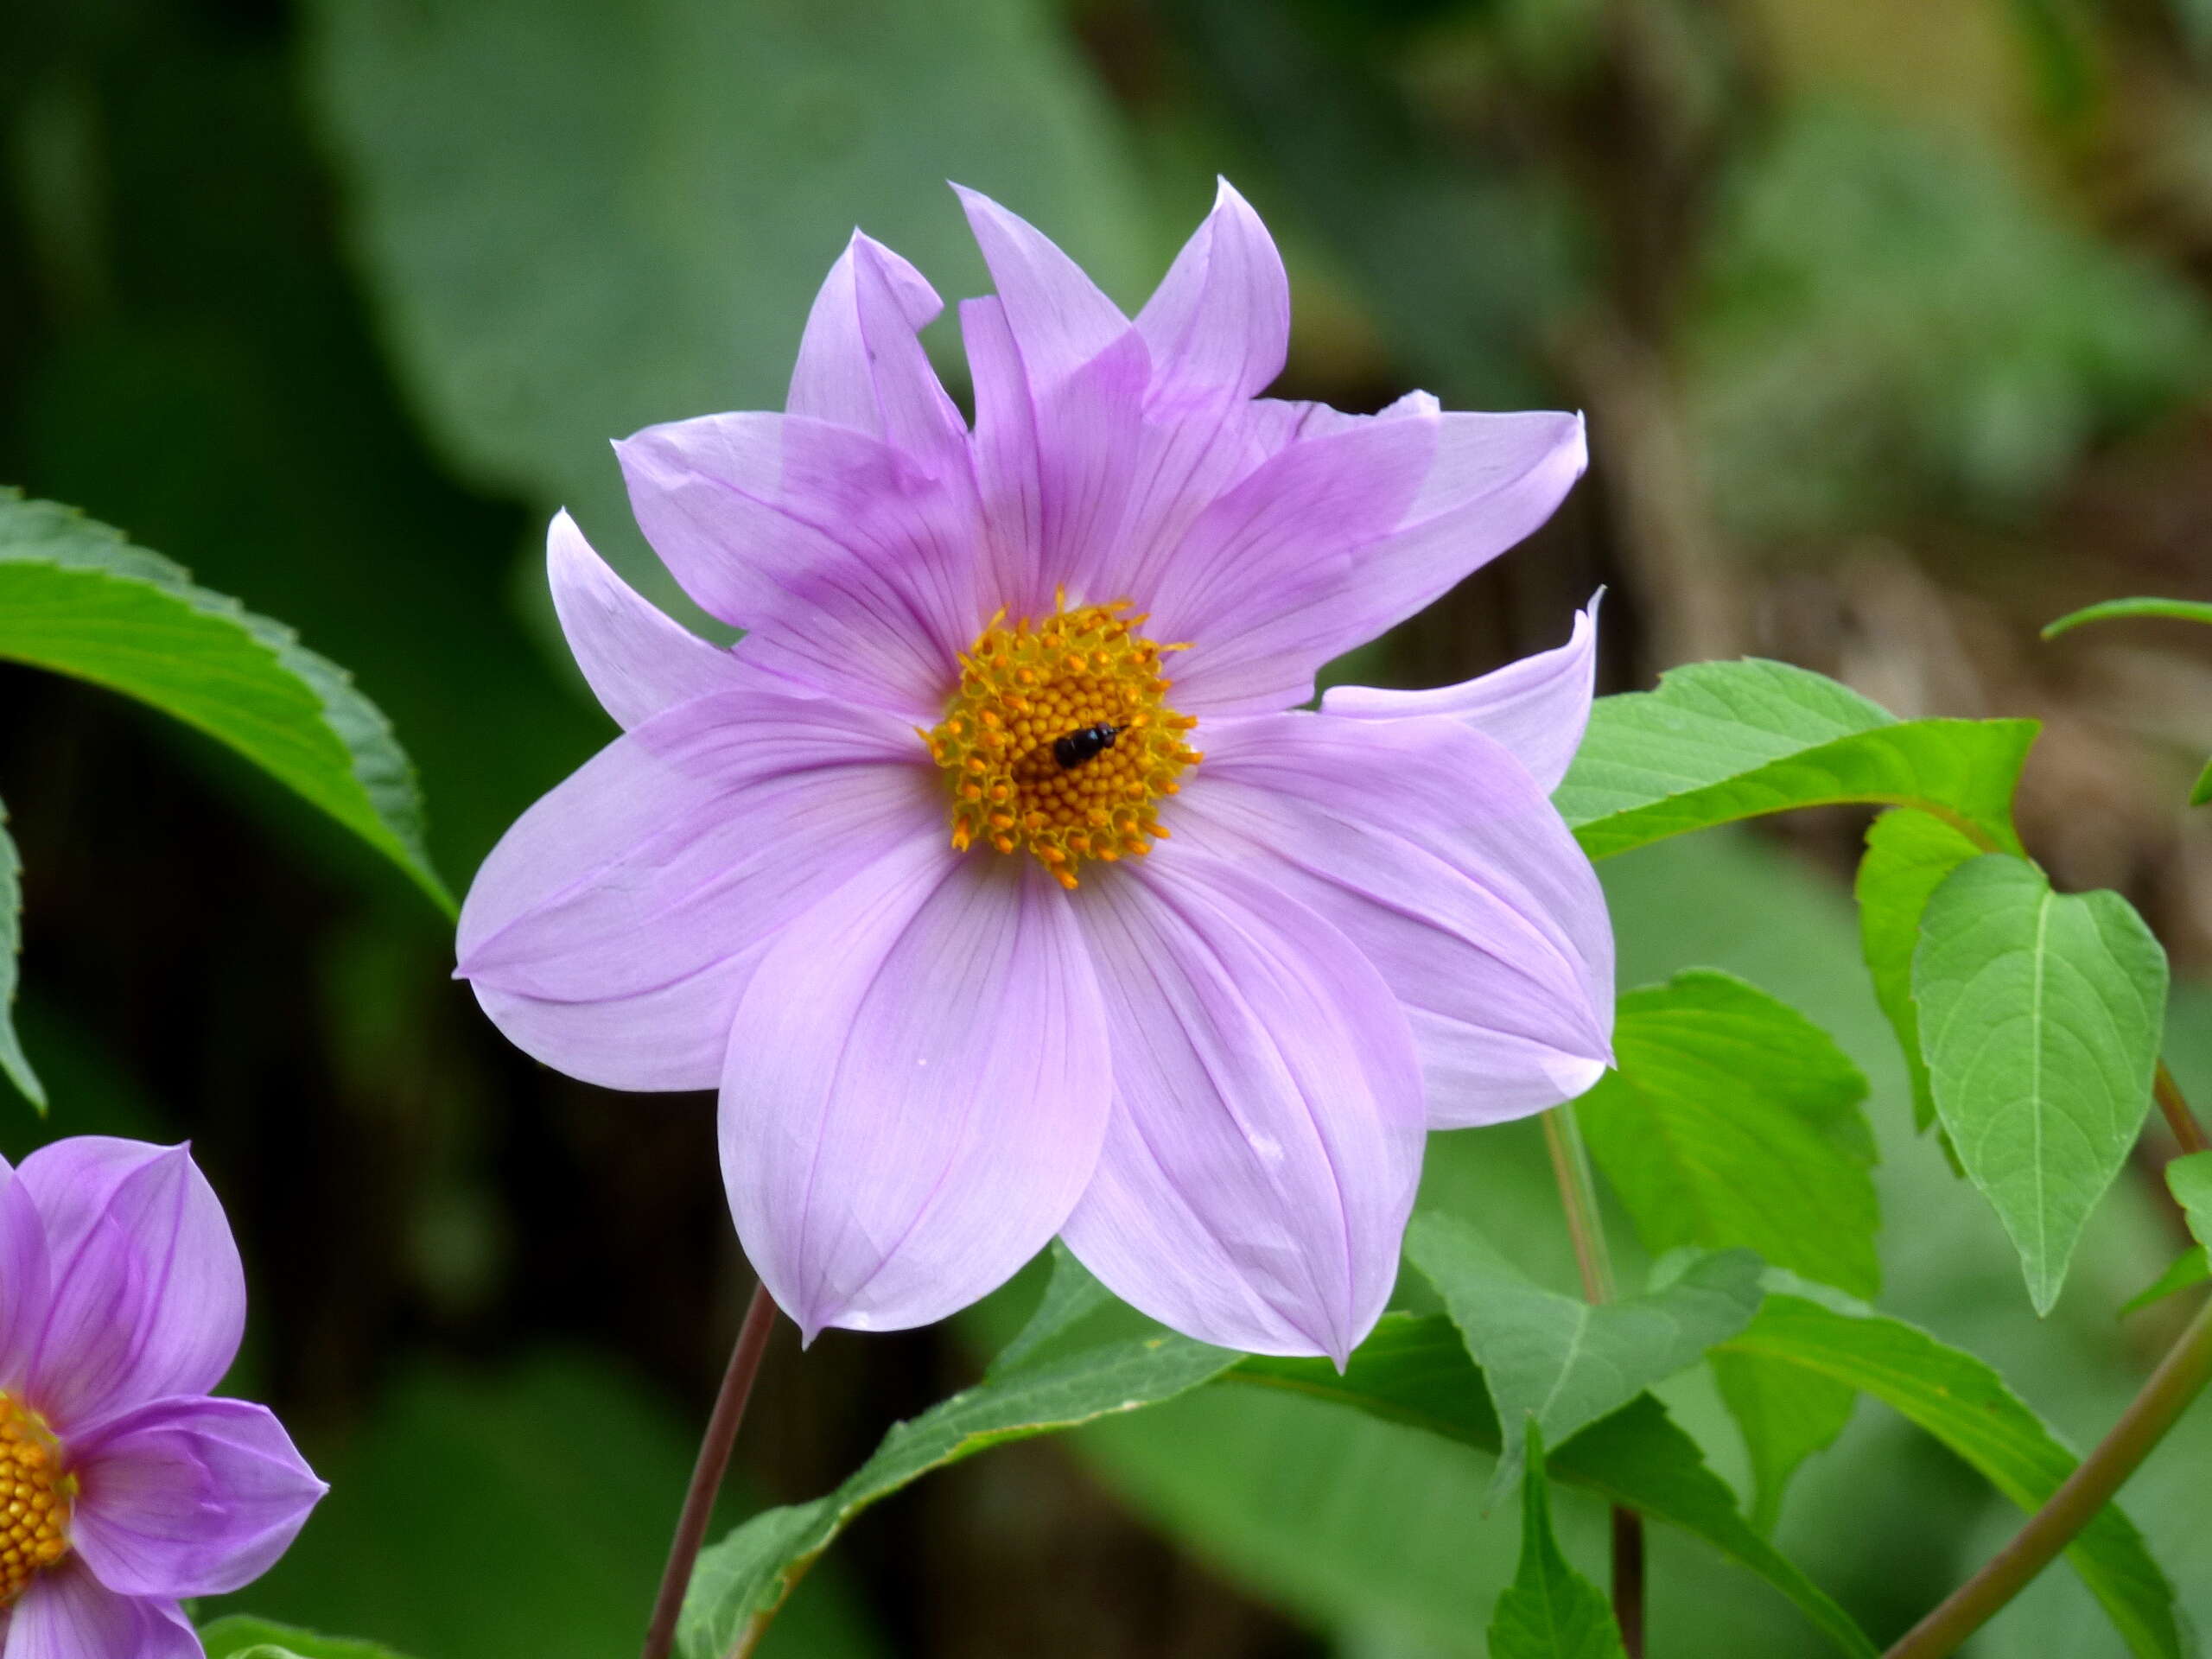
76,597
2201,792
2192,1267
13,1061
2181,610
1908,855
2040,1015
2189,1180
1549,1610
1072,1295
1966,1405
1784,1417
742,1581
1559,1360
239,1636
1417,1371
1720,742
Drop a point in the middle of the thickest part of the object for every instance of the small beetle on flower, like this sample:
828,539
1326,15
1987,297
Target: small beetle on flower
121,1305
994,876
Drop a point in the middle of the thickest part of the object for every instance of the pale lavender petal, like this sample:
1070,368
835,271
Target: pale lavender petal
1008,476
67,1613
23,1277
916,1092
861,364
1059,318
639,892
189,1497
1267,1132
1538,707
148,1296
851,563
636,660
1433,849
1219,324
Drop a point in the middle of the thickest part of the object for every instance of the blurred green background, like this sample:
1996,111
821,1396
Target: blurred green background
1893,322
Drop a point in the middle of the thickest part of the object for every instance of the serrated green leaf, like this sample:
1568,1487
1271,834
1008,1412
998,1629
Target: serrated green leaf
2180,610
2040,1015
1908,855
1721,742
742,1581
13,1061
1417,1372
1549,1610
76,597
1966,1405
1559,1360
2189,1180
239,1636
2192,1267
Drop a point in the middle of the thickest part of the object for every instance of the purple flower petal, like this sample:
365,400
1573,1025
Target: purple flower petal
1267,1132
1219,324
149,1298
1431,847
24,1278
188,1498
638,894
1538,707
637,660
861,364
916,1092
67,1613
851,563
1057,316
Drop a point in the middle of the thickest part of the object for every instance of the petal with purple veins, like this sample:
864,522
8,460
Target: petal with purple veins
1219,323
67,1613
861,364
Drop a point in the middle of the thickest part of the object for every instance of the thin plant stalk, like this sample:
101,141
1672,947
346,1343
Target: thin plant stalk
707,1473
2179,1119
2180,1377
1578,1196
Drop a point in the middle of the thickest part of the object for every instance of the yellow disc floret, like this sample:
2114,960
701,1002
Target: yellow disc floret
1060,740
35,1496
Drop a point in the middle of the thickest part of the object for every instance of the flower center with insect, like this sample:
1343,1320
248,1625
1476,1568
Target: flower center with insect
35,1497
1060,739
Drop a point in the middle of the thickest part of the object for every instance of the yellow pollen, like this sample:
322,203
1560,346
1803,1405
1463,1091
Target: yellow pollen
1059,730
35,1497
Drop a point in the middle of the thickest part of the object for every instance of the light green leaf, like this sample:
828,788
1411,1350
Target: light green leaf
2180,610
1417,1371
1966,1405
1556,1358
239,1636
1072,1295
2040,1015
1908,855
1720,742
1549,1610
1784,1416
742,1581
76,597
2192,1267
12,1058
2189,1180
2201,792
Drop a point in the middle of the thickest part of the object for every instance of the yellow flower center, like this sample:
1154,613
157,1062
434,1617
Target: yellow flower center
35,1496
1060,740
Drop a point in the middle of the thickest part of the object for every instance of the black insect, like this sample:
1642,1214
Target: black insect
1088,744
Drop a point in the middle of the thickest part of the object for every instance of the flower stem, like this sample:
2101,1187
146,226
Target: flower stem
2186,1130
2181,1374
707,1473
1578,1197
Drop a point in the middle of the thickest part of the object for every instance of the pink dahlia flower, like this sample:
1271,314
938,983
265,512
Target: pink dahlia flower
994,876
121,1305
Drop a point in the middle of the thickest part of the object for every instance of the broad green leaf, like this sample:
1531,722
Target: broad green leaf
1549,1610
1908,855
239,1636
1072,1295
1417,1371
1966,1405
2189,1180
76,597
742,1581
1734,1121
12,1058
1558,1360
2040,1015
1784,1416
1720,742
2192,1267
2180,610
